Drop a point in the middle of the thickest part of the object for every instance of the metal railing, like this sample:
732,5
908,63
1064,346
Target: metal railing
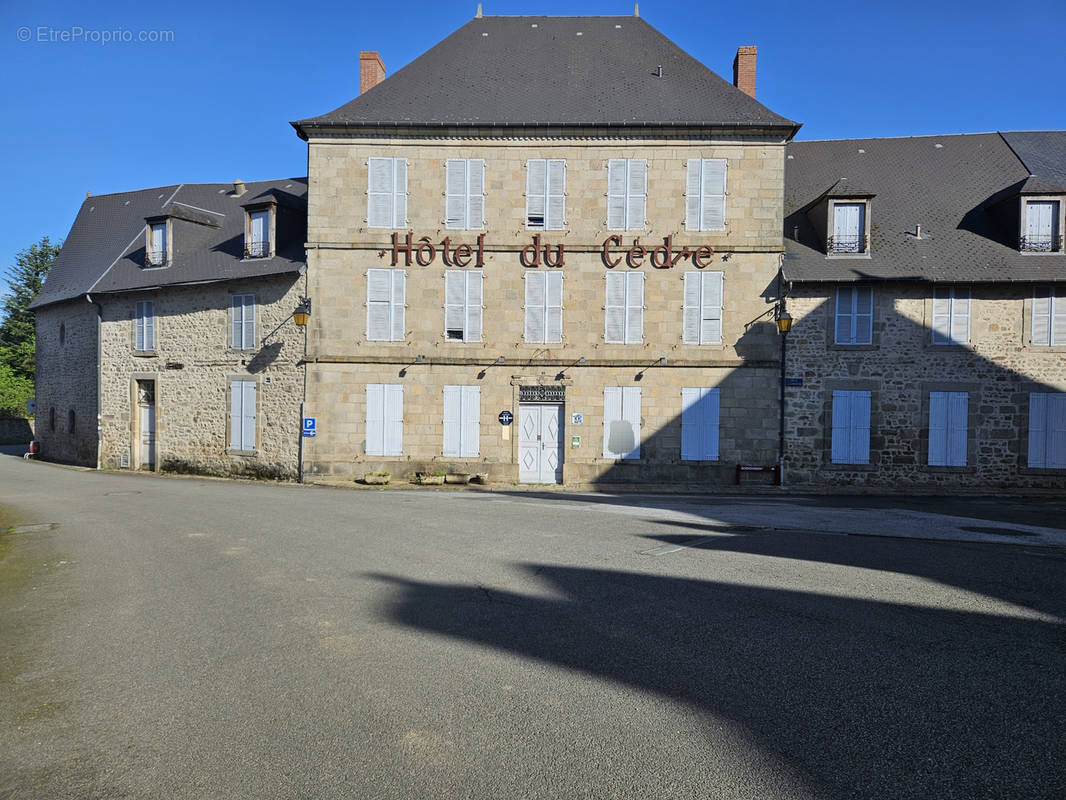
1040,244
256,249
155,258
847,244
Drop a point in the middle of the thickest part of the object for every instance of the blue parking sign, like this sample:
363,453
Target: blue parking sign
309,426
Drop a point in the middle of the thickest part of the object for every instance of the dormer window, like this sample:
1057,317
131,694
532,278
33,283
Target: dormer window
1041,226
155,248
848,236
257,236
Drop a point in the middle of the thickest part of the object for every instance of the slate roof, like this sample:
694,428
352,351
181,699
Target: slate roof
962,190
558,71
104,251
1042,152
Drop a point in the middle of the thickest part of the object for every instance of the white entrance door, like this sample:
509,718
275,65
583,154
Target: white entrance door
540,450
146,424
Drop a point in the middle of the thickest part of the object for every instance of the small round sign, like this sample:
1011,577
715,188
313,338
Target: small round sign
506,417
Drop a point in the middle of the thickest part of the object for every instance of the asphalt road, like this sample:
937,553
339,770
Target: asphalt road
188,638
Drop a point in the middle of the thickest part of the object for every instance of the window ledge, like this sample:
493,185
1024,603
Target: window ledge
1045,348
949,347
848,255
949,470
856,347
829,465
1052,471
144,354
241,453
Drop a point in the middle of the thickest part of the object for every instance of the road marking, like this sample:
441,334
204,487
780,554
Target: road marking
673,548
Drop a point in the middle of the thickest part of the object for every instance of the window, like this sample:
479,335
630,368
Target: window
1041,227
242,322
462,421
702,323
948,428
386,193
951,315
699,424
624,308
854,315
1049,316
464,182
545,193
849,228
462,305
156,248
144,325
384,419
242,415
544,307
257,238
627,192
705,194
385,305
851,427
1047,430
621,422
72,422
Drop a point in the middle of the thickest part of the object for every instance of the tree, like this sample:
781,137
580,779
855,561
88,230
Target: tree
17,334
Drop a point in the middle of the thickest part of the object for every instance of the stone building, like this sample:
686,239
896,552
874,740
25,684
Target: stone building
927,280
163,331
567,222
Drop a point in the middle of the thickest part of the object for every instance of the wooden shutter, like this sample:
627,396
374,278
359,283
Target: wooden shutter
236,417
859,428
475,215
844,332
1056,431
138,325
616,194
699,424
1039,222
237,322
711,308
399,282
474,294
553,307
455,305
621,422
636,194
1042,302
960,315
378,304
146,322
1058,316
631,414
380,191
615,308
470,421
393,419
456,193
555,219
692,194
634,333
535,298
938,429
841,413
243,321
536,192
399,202
612,412
958,423
453,408
864,315
1038,430
941,316
712,195
248,415
690,309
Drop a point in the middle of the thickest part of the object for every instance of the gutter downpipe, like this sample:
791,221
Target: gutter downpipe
99,378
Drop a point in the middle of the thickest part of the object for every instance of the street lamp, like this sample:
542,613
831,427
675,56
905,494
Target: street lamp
302,312
784,325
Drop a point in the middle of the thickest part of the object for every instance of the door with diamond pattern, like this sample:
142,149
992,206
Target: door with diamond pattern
540,448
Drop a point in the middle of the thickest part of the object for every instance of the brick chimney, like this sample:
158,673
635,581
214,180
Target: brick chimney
744,69
372,70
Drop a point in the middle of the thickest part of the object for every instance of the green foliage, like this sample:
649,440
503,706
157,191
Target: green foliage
17,337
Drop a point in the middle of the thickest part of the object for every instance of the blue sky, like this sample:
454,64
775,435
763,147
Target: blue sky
214,102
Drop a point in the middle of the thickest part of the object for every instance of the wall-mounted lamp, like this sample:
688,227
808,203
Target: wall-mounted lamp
302,312
657,363
418,360
485,369
784,321
559,375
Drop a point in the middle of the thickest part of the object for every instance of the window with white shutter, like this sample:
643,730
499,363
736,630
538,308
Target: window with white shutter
948,428
462,421
144,325
257,234
1047,430
851,427
854,315
386,193
849,229
705,194
545,193
242,321
385,305
702,317
384,419
951,314
1041,227
242,415
699,424
462,305
544,307
156,245
621,422
624,308
464,204
627,193
1049,316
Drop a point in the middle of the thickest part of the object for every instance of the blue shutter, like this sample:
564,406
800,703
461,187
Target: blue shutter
841,414
958,410
711,414
1037,429
1056,431
938,429
691,424
860,428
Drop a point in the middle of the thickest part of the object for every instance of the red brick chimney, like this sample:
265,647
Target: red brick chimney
744,69
372,70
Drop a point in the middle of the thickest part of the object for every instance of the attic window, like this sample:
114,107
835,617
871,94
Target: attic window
1042,226
849,235
155,249
257,238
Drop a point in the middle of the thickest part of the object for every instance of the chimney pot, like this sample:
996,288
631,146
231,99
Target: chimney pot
239,187
744,69
371,70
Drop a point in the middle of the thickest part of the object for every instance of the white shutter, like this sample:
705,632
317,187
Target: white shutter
393,419
149,325
248,415
864,315
475,215
634,333
453,404
1058,316
860,428
631,414
455,305
455,188
138,326
1038,429
375,419
711,308
380,190
690,324
553,301
692,194
615,308
470,421
1055,452
378,304
612,413
473,305
556,218
399,279
958,409
616,194
236,417
960,315
941,315
938,429
1038,223
536,192
699,424
237,322
400,194
535,296
621,422
844,332
1042,316
637,193
712,196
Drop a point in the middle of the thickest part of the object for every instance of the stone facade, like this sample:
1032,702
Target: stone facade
998,368
744,366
